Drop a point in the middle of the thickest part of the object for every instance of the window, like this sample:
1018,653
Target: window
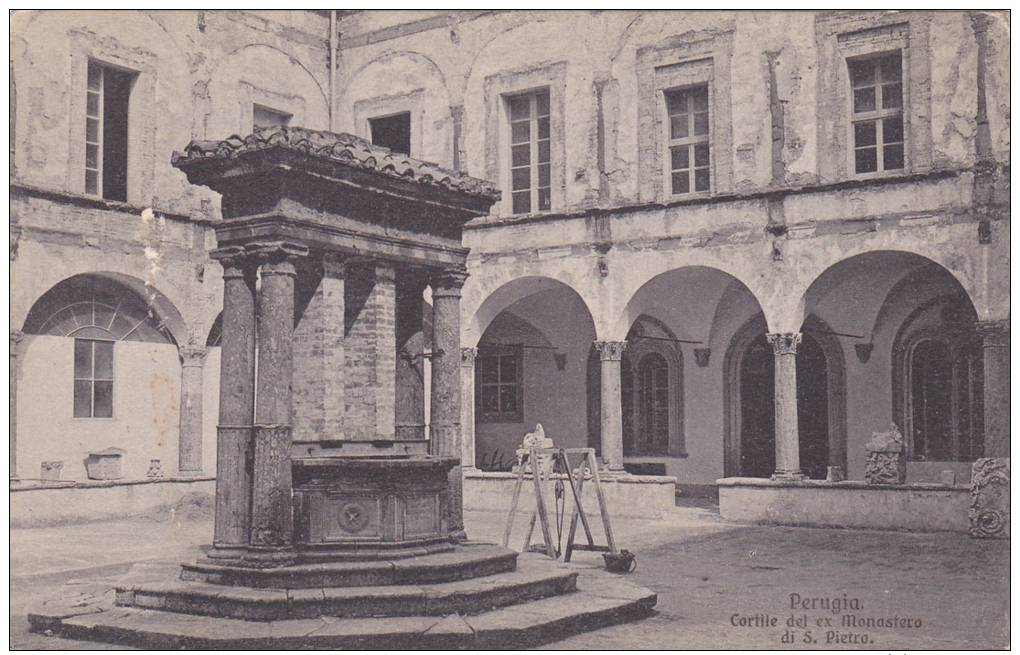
530,147
106,131
877,84
93,378
654,397
393,132
499,386
946,411
266,117
688,142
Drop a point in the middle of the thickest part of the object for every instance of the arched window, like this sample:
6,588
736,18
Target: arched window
653,393
651,375
96,313
940,393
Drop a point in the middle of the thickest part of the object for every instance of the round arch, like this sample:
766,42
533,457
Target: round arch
60,298
509,293
685,286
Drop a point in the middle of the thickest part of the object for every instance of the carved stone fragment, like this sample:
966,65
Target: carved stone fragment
989,498
887,462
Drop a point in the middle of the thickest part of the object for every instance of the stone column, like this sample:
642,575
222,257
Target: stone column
409,414
445,425
189,445
784,345
995,336
272,507
467,407
237,400
16,336
611,353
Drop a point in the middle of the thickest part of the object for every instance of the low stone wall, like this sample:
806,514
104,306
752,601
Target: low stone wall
35,504
850,504
632,496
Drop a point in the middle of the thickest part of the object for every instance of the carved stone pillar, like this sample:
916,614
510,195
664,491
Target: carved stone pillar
995,335
784,345
237,400
189,445
16,336
467,406
611,353
445,403
272,507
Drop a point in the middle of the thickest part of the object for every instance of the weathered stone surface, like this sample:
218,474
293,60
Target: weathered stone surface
989,498
887,461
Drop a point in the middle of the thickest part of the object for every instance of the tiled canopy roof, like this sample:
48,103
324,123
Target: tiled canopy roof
340,148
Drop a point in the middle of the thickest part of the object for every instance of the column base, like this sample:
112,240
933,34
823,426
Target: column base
788,476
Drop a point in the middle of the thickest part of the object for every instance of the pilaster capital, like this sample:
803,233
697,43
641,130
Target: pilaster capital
994,333
784,343
16,337
448,281
467,357
610,351
192,355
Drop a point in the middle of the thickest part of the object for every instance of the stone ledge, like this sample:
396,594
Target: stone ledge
816,503
631,496
38,485
845,484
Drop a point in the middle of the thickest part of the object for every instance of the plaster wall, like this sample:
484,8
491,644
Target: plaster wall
146,399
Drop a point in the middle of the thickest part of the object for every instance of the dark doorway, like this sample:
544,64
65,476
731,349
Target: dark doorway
757,409
812,408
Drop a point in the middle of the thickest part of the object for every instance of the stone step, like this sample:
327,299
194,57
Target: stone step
531,581
464,562
601,599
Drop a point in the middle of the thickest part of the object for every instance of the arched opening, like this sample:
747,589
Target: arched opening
756,412
99,368
915,359
532,366
938,378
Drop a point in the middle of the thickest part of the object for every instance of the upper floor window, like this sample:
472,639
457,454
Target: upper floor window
106,131
499,384
266,117
877,83
393,132
93,378
530,152
688,142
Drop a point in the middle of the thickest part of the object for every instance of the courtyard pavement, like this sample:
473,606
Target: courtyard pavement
720,585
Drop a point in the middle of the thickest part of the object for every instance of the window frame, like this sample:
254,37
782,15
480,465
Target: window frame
878,115
410,128
258,106
690,142
101,119
534,162
496,351
92,379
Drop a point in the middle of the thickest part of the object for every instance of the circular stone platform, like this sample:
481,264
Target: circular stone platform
534,601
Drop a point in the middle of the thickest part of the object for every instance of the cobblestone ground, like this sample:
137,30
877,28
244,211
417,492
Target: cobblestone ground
719,585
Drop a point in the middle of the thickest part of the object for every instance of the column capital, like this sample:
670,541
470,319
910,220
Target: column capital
234,260
191,355
333,264
448,281
610,351
994,333
467,357
16,337
784,343
276,257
